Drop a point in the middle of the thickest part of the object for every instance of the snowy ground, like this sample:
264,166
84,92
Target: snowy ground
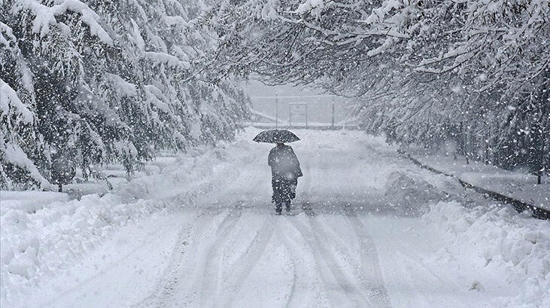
519,185
369,229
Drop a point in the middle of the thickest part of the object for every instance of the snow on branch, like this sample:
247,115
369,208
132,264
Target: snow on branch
315,7
13,154
175,21
168,59
156,98
6,35
45,16
122,86
378,14
11,104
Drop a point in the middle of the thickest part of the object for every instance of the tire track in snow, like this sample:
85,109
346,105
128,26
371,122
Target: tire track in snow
166,286
304,278
355,272
210,279
414,275
329,269
178,270
200,269
109,267
289,301
247,261
369,272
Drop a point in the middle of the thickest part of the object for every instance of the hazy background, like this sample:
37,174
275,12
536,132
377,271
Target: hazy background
319,105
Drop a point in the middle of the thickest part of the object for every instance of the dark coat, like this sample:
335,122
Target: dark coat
284,163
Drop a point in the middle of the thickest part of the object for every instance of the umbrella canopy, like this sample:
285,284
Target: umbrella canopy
276,136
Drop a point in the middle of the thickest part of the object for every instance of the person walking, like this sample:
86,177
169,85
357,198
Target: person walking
285,171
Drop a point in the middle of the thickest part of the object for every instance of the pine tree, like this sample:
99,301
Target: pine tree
112,81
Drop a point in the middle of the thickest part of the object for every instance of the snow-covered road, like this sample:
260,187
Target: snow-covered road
357,237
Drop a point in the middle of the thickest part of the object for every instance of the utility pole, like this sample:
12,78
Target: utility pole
332,122
306,115
289,115
276,109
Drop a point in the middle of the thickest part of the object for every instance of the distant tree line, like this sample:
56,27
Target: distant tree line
106,81
473,72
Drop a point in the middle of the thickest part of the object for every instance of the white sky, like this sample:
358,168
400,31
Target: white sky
256,88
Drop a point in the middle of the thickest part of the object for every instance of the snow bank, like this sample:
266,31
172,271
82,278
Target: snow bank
43,233
504,248
40,238
409,194
26,200
518,185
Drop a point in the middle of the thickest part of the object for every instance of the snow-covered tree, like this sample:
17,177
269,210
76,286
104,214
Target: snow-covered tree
108,81
421,71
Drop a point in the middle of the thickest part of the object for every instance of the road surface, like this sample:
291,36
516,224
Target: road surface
347,242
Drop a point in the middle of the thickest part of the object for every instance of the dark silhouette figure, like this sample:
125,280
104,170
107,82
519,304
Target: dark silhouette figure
285,171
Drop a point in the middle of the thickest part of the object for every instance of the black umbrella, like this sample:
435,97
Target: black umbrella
276,136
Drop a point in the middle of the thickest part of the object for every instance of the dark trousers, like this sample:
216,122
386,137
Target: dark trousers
283,191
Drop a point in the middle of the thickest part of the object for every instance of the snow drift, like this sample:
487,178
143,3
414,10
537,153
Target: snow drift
501,243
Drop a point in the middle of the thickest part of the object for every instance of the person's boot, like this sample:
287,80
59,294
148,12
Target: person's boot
287,207
278,209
